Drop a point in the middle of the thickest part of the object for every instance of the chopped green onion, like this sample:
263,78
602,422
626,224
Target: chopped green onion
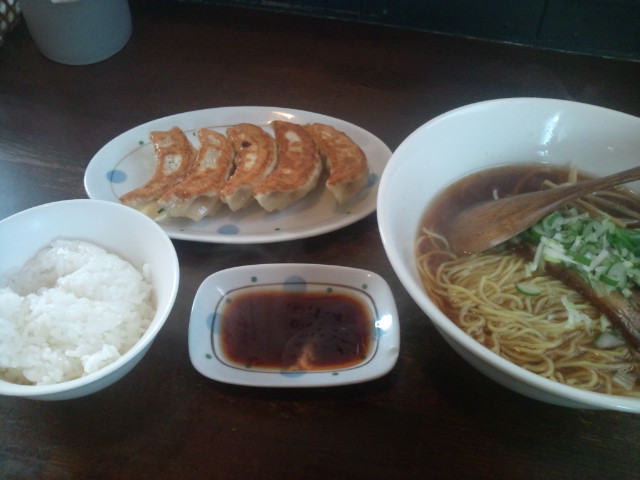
527,289
552,221
616,276
538,230
598,259
580,258
574,316
605,255
608,340
625,379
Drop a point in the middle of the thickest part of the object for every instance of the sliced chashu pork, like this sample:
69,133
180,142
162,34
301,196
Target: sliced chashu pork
174,156
298,169
255,159
345,160
622,312
198,194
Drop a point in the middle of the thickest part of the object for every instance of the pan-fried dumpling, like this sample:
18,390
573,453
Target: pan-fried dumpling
298,169
174,156
198,194
345,160
255,159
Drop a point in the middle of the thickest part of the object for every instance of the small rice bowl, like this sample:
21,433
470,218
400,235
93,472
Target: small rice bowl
71,310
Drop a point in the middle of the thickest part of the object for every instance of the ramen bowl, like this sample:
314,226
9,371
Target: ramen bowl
489,134
117,229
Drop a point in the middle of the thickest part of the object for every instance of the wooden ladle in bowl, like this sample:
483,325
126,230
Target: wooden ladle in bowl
486,224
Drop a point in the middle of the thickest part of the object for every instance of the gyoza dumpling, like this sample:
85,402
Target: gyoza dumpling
174,157
297,171
345,160
198,194
255,159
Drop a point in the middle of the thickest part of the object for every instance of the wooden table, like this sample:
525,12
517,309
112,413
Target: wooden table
433,416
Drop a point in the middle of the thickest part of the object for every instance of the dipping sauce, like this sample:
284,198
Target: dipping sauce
295,330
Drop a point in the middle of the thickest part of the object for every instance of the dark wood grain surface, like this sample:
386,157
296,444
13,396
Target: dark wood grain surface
433,416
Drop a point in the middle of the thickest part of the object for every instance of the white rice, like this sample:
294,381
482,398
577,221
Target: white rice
72,309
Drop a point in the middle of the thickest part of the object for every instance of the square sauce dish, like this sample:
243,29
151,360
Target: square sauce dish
294,325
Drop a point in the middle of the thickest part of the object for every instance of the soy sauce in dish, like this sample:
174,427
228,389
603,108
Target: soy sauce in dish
295,330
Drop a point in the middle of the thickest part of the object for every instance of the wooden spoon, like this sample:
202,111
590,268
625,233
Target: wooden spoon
489,223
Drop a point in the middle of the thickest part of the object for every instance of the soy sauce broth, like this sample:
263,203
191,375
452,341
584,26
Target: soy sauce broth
289,330
495,182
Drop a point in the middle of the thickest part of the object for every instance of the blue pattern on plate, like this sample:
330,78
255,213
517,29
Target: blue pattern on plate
116,176
372,179
228,229
294,283
209,321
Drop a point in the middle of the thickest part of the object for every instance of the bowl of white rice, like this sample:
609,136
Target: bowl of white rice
85,287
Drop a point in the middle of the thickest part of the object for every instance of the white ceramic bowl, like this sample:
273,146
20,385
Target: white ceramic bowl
482,135
118,229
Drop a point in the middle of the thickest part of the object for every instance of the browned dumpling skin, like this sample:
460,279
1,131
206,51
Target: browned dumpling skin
255,159
198,194
345,160
297,171
174,157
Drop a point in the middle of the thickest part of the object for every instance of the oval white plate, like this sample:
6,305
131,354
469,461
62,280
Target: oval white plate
127,162
369,287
